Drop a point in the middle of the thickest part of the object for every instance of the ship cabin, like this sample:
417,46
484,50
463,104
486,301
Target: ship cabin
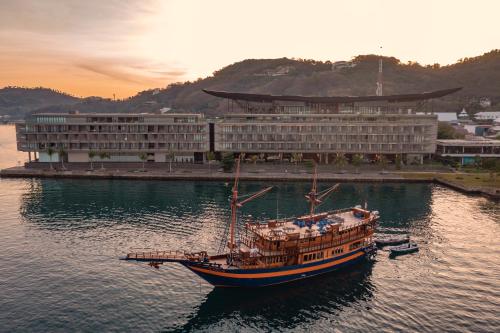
306,239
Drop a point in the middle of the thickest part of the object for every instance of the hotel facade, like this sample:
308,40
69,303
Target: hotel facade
267,125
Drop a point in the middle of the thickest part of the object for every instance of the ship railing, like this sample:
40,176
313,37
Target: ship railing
297,249
282,221
357,224
160,255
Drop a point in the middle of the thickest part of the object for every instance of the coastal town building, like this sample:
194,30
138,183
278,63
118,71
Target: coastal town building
275,127
447,117
466,151
487,115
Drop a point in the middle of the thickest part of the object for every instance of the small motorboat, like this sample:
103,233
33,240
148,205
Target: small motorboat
410,247
395,240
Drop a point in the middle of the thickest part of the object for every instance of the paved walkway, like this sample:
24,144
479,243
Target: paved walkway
273,172
248,172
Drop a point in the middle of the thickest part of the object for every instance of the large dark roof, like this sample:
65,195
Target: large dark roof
331,99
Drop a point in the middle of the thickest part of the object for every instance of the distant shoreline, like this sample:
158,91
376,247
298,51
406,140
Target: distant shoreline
183,175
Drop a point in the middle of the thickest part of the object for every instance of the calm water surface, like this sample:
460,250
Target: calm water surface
60,240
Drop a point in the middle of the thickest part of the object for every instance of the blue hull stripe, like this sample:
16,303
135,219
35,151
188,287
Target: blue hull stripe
221,281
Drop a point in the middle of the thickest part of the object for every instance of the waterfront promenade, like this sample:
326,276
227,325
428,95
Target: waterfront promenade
468,183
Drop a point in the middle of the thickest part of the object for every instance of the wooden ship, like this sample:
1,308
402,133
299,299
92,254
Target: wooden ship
281,250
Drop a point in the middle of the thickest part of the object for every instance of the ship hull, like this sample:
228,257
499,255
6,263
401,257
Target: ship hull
252,278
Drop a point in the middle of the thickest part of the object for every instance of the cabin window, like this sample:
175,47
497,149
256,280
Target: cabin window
338,250
354,245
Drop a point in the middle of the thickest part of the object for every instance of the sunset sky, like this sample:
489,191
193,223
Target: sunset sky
97,47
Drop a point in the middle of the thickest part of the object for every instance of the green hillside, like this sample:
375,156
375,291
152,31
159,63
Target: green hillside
479,77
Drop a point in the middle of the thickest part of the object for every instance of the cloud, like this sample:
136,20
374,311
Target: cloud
131,70
93,41
72,16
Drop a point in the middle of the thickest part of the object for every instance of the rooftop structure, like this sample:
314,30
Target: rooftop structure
332,99
463,114
487,115
448,117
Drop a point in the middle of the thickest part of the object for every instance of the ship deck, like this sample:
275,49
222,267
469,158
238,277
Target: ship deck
345,220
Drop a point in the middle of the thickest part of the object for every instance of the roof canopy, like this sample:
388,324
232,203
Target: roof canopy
331,99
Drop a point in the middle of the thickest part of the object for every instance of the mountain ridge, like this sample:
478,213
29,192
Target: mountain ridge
479,76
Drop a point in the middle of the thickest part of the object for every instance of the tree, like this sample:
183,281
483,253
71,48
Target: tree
296,157
398,162
446,131
171,156
62,154
92,154
103,155
228,162
254,159
210,158
50,152
357,159
340,160
143,156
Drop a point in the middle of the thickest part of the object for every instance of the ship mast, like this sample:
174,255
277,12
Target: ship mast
316,198
235,205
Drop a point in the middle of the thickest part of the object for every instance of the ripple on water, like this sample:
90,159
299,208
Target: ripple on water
60,242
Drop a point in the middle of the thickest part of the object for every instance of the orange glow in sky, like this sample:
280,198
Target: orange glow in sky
121,47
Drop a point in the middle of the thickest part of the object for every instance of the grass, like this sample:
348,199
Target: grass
469,180
485,180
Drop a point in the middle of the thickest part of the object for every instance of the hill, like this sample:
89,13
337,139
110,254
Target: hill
479,76
16,101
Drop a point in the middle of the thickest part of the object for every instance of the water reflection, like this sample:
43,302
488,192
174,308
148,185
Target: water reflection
285,306
52,204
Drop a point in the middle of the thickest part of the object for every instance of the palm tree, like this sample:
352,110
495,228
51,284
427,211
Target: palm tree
62,154
296,158
171,156
50,152
357,159
210,158
398,161
103,155
254,159
143,156
340,160
92,154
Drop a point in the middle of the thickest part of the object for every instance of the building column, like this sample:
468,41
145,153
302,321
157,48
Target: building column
29,156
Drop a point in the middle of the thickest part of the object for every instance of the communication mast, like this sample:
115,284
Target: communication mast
379,91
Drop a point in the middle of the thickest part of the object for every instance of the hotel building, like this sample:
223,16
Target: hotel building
269,125
123,136
321,127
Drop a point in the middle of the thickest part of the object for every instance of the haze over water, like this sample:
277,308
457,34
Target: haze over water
60,241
